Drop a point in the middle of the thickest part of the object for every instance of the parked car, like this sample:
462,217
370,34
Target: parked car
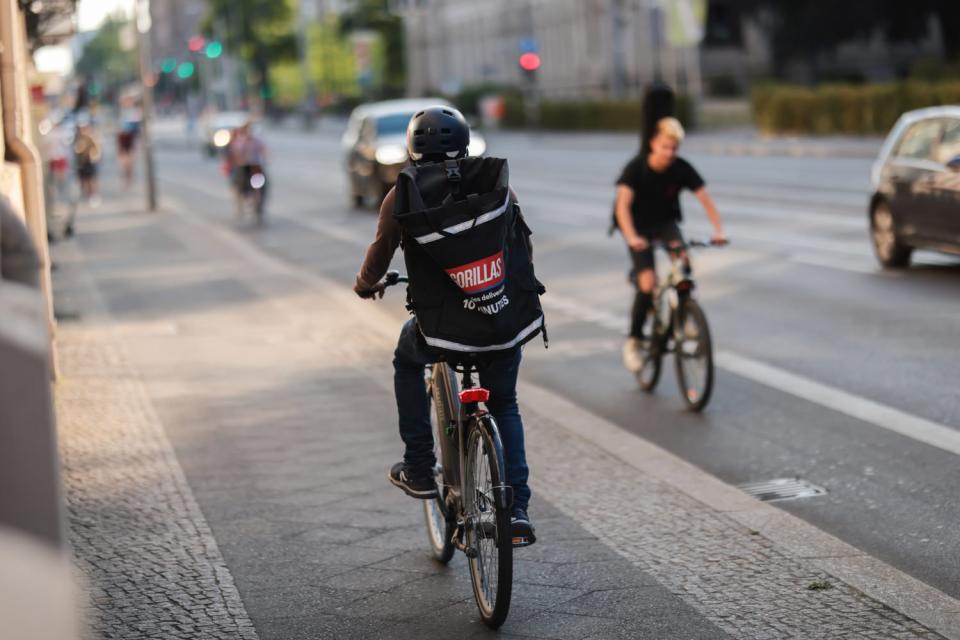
375,146
217,130
916,181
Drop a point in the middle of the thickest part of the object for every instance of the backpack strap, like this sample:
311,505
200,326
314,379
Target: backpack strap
454,177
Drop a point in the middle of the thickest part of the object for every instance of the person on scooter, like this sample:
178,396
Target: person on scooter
246,154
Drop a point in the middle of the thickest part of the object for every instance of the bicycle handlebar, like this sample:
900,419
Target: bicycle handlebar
392,278
689,244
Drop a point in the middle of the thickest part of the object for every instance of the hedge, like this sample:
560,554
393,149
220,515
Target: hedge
844,108
588,115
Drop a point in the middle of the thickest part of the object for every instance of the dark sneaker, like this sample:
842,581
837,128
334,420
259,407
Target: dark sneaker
415,485
523,531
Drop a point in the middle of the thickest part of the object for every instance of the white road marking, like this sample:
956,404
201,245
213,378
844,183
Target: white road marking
875,413
834,263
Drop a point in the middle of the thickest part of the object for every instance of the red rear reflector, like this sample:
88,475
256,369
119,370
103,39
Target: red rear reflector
478,394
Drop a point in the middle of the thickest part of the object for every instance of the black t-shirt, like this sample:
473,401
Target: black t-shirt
656,196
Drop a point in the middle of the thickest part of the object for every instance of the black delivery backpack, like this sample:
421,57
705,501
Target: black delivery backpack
466,246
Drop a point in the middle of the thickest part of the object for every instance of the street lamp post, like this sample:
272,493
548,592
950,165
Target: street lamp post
308,15
146,82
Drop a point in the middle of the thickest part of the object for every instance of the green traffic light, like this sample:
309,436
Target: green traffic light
214,49
168,65
185,70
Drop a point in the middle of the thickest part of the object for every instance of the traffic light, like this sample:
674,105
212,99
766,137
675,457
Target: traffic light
185,70
530,61
214,49
196,43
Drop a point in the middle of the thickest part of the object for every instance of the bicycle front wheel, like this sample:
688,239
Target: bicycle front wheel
439,525
489,540
693,355
651,352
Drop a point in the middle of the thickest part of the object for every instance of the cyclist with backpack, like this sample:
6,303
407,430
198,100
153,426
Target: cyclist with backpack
472,291
647,209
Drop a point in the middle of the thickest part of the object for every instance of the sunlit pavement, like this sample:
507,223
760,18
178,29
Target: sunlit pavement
272,385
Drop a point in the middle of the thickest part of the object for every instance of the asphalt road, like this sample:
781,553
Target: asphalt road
872,354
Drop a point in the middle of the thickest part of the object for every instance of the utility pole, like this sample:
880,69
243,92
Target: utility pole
227,72
308,15
655,13
618,68
146,85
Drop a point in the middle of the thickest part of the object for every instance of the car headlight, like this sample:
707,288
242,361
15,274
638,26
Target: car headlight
221,138
477,147
391,154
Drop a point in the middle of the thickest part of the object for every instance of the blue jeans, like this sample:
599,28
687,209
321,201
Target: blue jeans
413,407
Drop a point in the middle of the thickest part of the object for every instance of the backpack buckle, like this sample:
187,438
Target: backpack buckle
453,170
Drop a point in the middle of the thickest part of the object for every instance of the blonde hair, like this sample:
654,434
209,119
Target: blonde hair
671,128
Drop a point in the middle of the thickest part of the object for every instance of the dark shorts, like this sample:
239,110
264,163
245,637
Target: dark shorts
643,260
87,170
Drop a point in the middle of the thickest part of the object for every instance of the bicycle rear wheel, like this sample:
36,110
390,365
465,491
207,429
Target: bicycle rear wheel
693,355
488,534
652,353
439,526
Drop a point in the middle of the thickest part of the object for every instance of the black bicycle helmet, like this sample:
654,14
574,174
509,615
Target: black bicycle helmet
436,134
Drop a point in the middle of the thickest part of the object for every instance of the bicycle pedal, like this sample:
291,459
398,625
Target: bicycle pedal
521,541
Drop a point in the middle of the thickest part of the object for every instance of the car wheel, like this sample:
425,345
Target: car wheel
890,250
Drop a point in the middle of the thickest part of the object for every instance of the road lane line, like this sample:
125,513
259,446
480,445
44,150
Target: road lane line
875,413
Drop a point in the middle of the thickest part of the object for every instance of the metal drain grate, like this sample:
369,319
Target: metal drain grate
781,489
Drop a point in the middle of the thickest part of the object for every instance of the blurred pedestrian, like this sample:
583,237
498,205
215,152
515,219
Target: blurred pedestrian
126,141
647,210
87,154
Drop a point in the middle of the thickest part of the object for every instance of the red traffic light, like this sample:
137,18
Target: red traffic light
530,61
196,43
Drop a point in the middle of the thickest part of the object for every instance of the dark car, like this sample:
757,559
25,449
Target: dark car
375,146
916,180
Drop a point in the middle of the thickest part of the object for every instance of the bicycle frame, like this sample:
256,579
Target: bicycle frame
464,410
675,287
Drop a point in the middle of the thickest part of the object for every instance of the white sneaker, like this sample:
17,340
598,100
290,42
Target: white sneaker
633,355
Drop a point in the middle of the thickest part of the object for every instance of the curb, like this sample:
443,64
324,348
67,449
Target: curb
794,537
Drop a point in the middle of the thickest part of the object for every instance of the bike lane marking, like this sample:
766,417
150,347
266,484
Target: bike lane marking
869,411
875,413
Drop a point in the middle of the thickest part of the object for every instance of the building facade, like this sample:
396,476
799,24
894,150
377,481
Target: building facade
588,48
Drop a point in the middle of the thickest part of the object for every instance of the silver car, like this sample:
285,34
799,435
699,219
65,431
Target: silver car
375,146
916,181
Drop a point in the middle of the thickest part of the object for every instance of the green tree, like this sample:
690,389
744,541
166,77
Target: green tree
259,31
104,61
331,59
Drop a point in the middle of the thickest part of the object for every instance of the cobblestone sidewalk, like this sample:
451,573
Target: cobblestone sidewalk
138,536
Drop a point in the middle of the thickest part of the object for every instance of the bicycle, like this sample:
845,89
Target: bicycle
679,326
472,510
